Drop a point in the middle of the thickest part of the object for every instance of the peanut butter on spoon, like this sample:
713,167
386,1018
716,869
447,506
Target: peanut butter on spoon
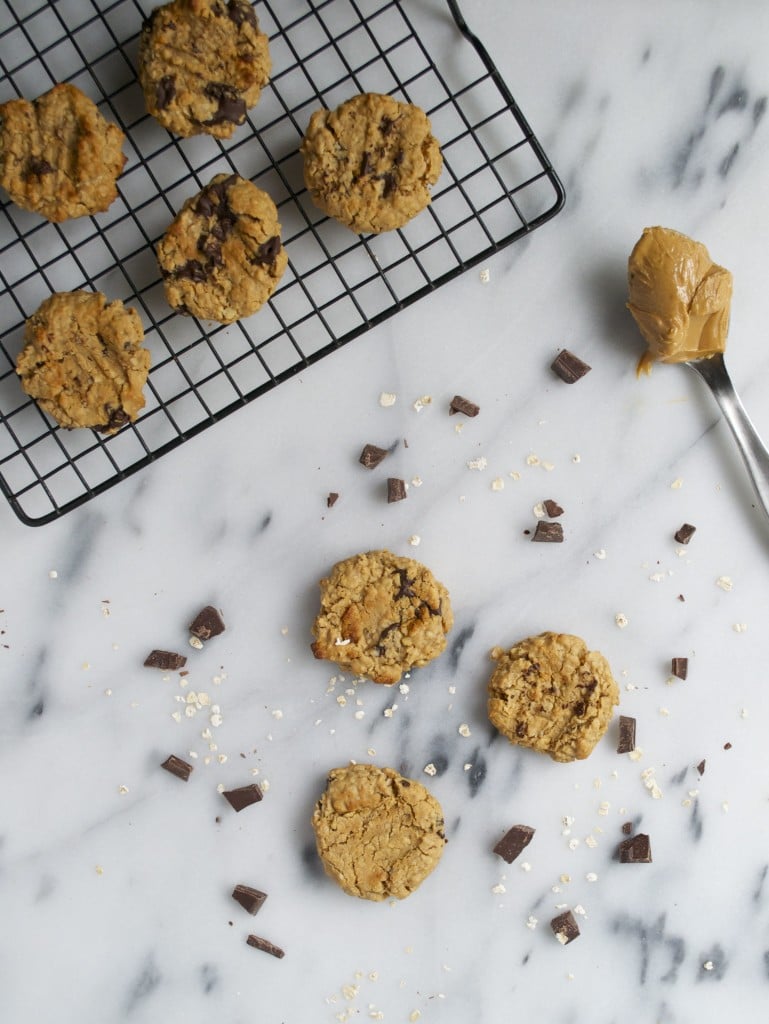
678,297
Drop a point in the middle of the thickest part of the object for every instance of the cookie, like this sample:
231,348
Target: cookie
550,693
58,156
202,65
371,162
378,835
221,258
83,361
381,615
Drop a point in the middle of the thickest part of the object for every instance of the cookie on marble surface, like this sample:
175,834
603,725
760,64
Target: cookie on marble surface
381,615
371,162
550,693
202,65
58,156
83,361
222,258
378,834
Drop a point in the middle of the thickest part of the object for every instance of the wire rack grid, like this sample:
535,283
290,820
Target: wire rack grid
497,185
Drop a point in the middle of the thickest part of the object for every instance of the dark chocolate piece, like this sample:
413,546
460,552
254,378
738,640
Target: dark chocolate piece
627,828
635,850
192,269
241,11
514,842
266,947
117,419
250,899
232,107
207,623
267,252
548,533
371,456
701,767
332,499
727,746
463,405
243,797
626,743
167,660
679,667
685,533
565,927
552,508
39,167
569,367
396,490
177,767
165,91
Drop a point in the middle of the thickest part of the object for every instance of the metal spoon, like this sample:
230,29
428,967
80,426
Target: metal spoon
713,371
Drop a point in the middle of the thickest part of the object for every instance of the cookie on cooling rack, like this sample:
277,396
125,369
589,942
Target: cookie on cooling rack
83,361
222,258
58,156
202,65
371,162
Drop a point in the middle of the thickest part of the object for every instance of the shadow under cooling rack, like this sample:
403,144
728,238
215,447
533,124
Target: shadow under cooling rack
497,186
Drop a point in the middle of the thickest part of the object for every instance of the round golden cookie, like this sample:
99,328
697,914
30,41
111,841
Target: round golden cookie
378,835
58,156
202,65
381,615
222,258
371,162
83,361
550,693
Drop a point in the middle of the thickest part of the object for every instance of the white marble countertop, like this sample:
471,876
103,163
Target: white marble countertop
115,877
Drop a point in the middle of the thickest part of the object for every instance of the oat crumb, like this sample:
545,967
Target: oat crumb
498,889
464,729
532,922
415,540
498,484
420,403
387,398
430,769
485,275
621,620
725,583
480,463
740,627
677,484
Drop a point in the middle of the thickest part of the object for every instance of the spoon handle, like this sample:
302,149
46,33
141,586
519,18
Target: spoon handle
713,371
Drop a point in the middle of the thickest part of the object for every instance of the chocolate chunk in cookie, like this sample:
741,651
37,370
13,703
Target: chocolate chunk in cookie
202,65
58,156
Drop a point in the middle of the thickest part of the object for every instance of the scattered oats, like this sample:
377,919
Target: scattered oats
740,627
193,754
350,991
636,755
565,879
525,866
647,776
404,688
686,802
459,427
743,712
725,806
631,687
86,665
264,785
498,889
576,458
485,275
105,610
597,783
466,767
600,553
497,484
222,758
341,700
414,1016
539,510
708,965
725,583
531,922
388,712
177,716
452,689
99,869
387,398
430,769
573,843
591,876
479,463
658,577
359,714
122,790
567,821
677,484
665,712
196,642
190,711
371,752
215,720
108,693
548,466
284,630
417,481
53,575
255,771
591,841
603,807
373,976
621,620
532,459
570,976
277,713
579,909
422,402
414,540
339,642
514,474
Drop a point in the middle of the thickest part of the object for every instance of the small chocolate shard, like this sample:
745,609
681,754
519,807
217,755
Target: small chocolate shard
250,899
176,766
231,106
266,947
267,252
514,842
243,797
168,661
701,767
39,167
635,850
565,927
627,726
371,456
165,91
332,499
366,165
568,367
727,746
117,418
396,490
192,270
207,623
241,12
685,533
463,405
552,508
627,828
548,533
679,667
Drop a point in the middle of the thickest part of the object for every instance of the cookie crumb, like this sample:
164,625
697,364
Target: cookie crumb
387,399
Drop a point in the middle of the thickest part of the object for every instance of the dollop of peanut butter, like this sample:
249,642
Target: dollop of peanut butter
679,298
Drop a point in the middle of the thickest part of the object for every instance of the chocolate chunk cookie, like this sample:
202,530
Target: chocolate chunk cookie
83,361
202,65
222,258
379,835
371,162
58,156
381,615
550,693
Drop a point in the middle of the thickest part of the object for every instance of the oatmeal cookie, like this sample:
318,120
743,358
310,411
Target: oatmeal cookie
58,156
378,835
202,65
550,693
381,615
371,162
83,361
222,258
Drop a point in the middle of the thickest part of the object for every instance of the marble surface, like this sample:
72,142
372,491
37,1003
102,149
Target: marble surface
115,877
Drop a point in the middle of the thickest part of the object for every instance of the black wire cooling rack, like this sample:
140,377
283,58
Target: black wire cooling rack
497,185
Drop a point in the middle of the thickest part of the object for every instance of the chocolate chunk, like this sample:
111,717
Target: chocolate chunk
385,126
396,490
685,533
565,927
177,767
635,850
332,499
514,842
548,533
117,419
207,623
626,743
240,11
371,456
267,252
552,508
569,367
727,746
243,797
679,667
463,405
366,165
266,947
250,899
390,182
701,767
165,91
211,248
232,107
627,828
39,167
166,660
192,269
